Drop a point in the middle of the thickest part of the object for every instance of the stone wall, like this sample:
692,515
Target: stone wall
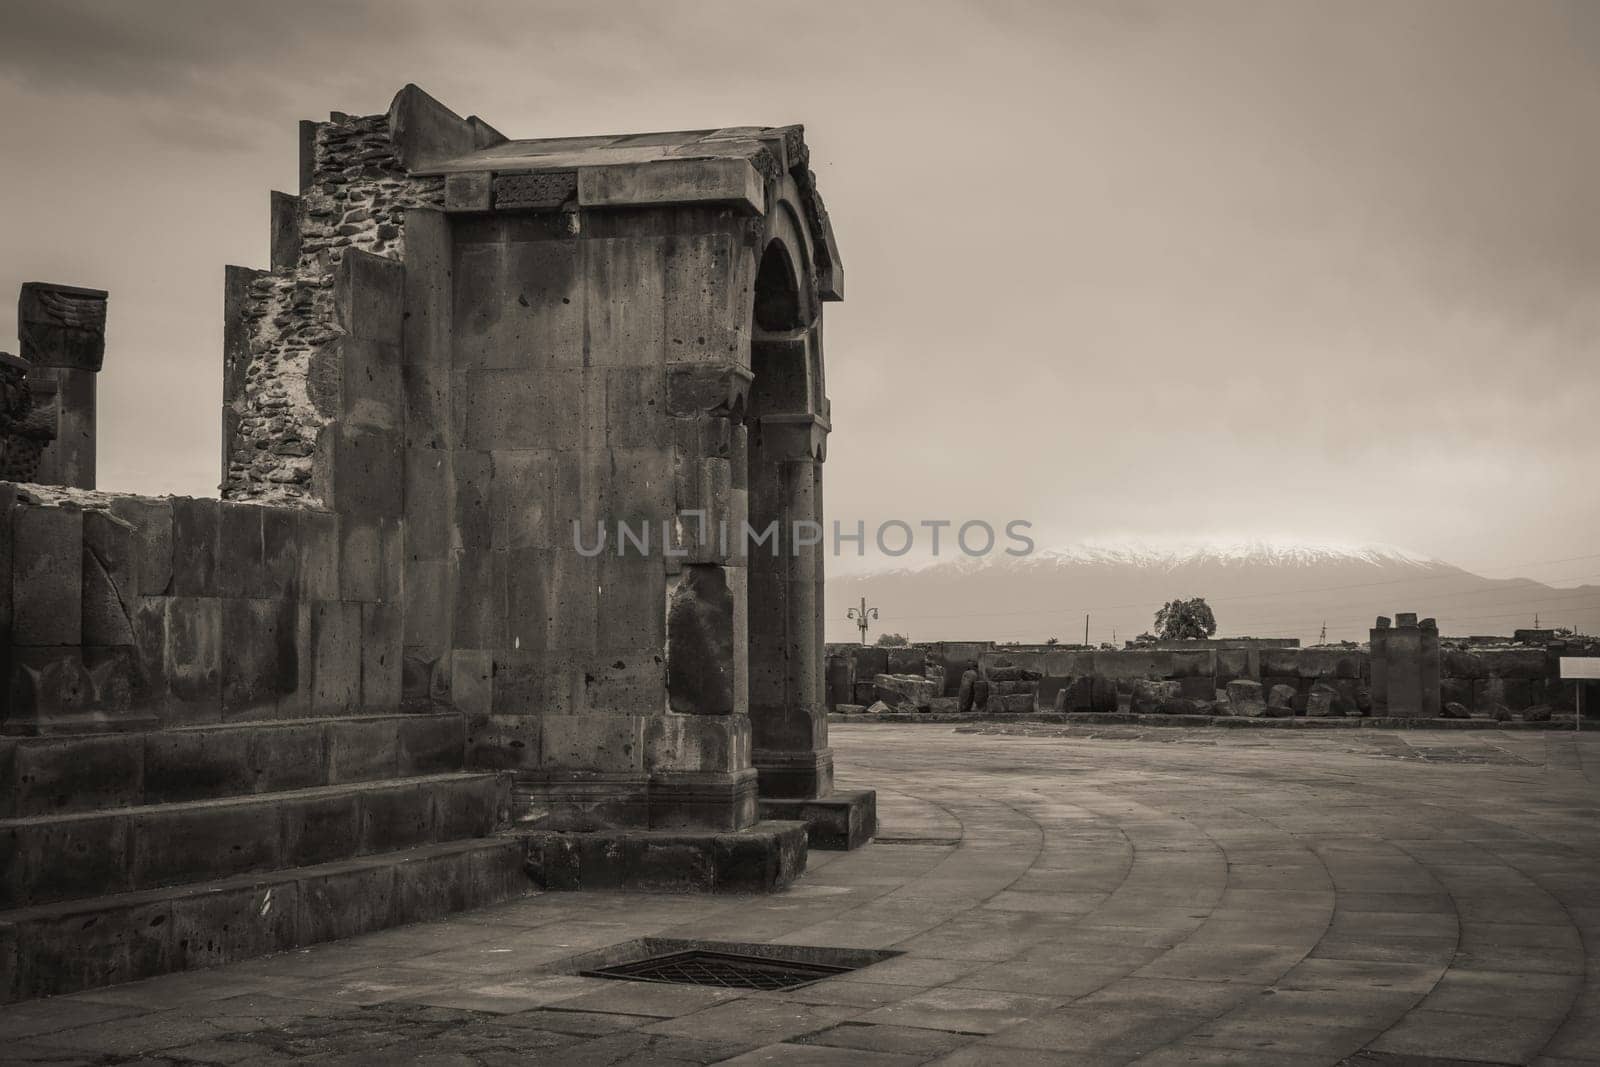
279,388
1480,676
126,612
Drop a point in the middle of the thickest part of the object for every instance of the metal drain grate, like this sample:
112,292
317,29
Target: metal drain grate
724,970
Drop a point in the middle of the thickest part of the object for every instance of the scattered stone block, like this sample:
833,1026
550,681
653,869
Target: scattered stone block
905,690
1245,699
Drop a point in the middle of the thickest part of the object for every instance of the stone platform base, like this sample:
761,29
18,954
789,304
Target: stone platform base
83,944
837,822
765,857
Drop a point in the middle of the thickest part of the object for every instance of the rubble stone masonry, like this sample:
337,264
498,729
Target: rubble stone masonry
277,394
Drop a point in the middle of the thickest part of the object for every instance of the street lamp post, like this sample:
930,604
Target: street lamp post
861,616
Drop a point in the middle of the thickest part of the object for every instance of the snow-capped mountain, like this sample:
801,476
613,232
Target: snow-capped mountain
1259,588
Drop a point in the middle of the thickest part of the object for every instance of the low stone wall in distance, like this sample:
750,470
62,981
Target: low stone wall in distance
1482,677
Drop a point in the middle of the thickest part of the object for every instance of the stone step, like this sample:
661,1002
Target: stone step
55,775
82,944
59,857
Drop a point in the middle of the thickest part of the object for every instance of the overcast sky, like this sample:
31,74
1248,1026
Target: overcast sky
1320,270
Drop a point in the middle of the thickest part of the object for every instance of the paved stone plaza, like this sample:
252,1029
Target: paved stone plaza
1091,895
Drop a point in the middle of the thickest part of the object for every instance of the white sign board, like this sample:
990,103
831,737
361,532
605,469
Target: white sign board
1580,666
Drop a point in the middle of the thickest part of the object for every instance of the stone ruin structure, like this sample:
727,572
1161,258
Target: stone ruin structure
1407,673
1405,667
378,680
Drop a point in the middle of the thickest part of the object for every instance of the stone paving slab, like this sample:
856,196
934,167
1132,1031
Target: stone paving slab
1056,895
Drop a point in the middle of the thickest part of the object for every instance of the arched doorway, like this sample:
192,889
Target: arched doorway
789,726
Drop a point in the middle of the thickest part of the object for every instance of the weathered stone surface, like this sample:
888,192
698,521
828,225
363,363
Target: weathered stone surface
1148,695
905,690
1455,710
1245,698
46,576
1281,696
1324,701
700,635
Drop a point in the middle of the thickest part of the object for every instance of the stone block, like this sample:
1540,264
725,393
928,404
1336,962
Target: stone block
71,950
182,765
1522,663
430,886
1244,697
472,681
838,822
368,478
480,602
280,553
233,923
907,661
194,658
1235,663
428,606
319,829
1193,663
180,845
285,215
430,744
620,681
593,743
260,660
864,693
905,691
46,576
105,613
361,750
629,612
503,743
318,536
396,817
352,899
1281,696
469,191
336,655
700,635
153,538
1326,663
239,558
62,325
696,743
196,532
75,774
732,182
1148,695
369,294
871,661
288,756
474,807
60,859
1126,666
113,544
381,655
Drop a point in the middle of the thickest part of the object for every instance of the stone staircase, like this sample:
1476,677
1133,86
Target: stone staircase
134,854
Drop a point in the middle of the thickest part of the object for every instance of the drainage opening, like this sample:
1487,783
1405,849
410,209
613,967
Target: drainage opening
725,970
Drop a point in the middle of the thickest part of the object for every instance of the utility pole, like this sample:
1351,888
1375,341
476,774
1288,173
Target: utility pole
1086,629
1324,638
861,616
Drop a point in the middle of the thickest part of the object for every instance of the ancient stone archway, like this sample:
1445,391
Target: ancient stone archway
787,431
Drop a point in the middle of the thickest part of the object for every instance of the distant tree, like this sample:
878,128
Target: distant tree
892,641
1053,641
1183,620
